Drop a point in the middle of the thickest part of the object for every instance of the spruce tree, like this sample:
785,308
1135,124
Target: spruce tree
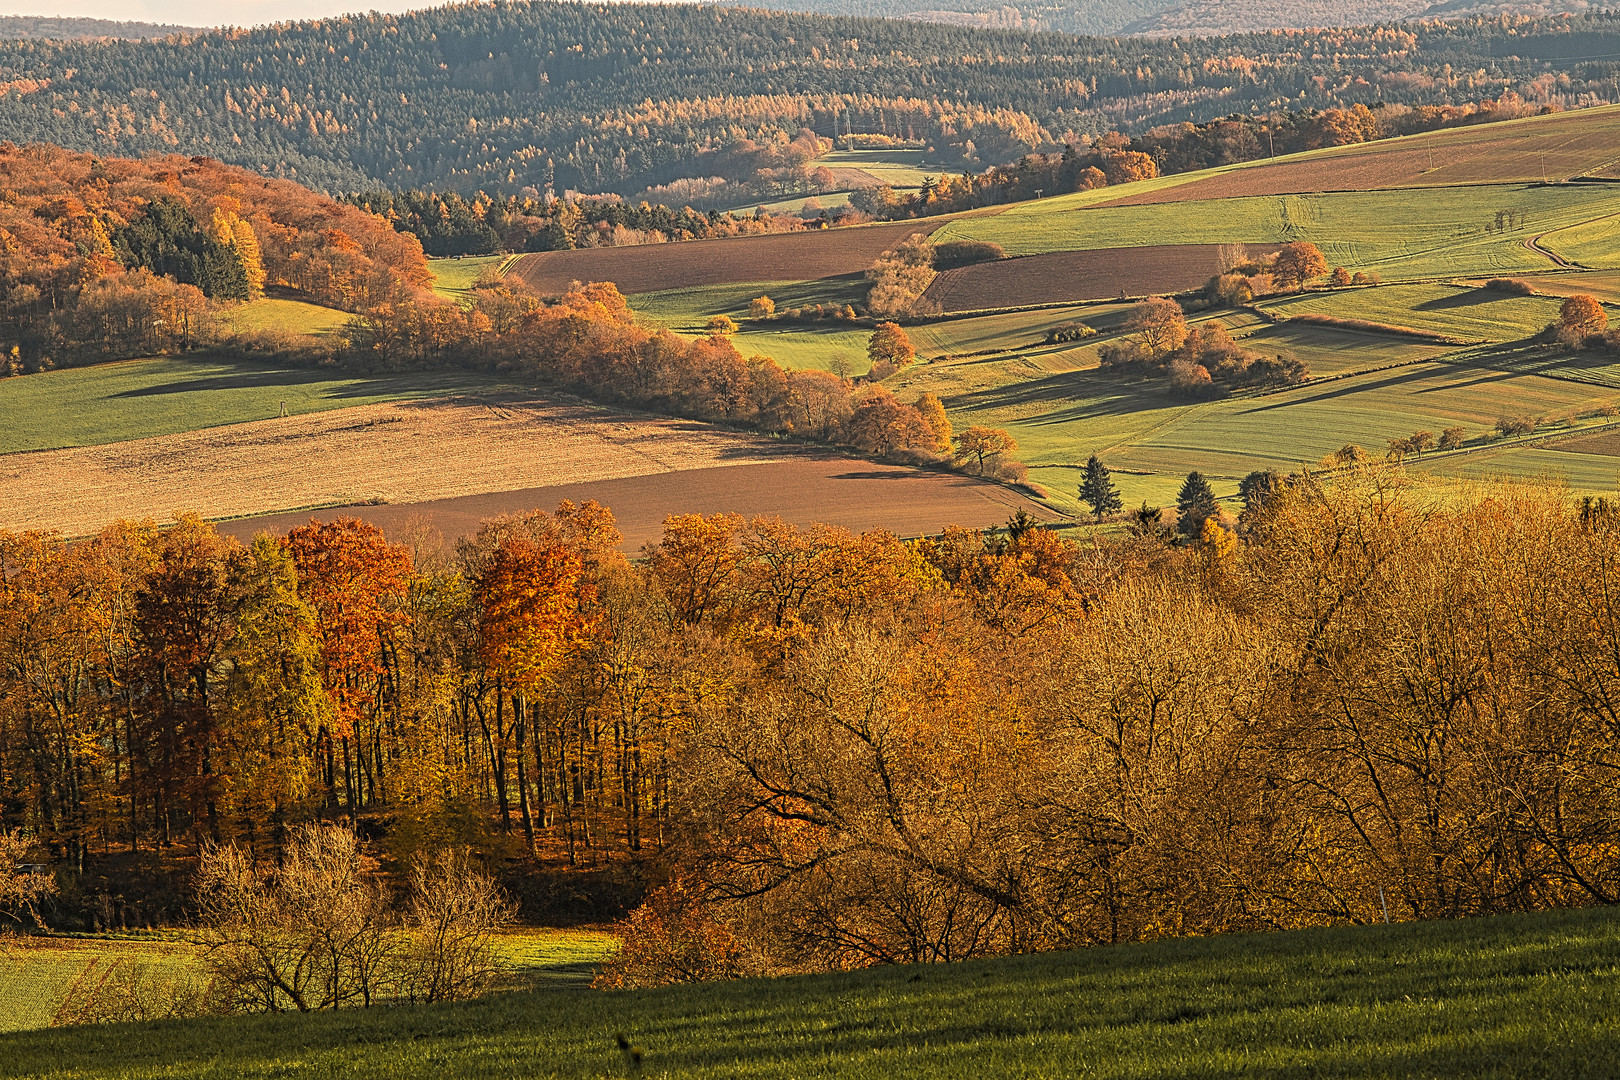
1098,491
1195,503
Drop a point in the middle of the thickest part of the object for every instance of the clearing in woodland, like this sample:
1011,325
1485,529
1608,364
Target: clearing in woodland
1520,996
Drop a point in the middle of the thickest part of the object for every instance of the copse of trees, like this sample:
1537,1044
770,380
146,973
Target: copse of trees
107,257
1201,361
1056,745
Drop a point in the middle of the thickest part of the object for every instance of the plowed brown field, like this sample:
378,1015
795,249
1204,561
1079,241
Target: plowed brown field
1581,143
1101,274
797,256
400,452
801,488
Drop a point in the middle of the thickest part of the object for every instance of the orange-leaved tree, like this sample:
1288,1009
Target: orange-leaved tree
358,583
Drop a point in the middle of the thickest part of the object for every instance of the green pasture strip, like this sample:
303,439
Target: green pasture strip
831,346
1593,243
824,346
135,399
1304,423
795,204
1605,286
897,168
36,976
289,316
1404,233
1458,311
453,278
689,309
1521,996
1580,472
1328,351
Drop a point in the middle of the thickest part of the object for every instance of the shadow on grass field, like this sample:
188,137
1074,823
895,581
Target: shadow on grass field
134,399
1513,996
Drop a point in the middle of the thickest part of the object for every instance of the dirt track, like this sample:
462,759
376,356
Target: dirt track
1102,274
796,256
804,488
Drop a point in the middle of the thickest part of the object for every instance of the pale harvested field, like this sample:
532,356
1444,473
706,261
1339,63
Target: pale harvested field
395,453
802,488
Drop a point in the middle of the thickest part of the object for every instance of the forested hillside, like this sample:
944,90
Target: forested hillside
103,257
67,26
1184,17
505,96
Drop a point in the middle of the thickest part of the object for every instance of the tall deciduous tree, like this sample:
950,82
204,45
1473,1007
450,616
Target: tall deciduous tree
1298,263
933,413
889,345
982,443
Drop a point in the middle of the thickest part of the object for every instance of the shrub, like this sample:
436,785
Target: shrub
1509,426
954,253
1513,286
761,308
721,326
1069,331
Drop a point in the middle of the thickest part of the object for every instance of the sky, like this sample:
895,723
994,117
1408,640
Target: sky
206,12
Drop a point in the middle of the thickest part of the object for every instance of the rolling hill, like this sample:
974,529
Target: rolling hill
517,95
1515,996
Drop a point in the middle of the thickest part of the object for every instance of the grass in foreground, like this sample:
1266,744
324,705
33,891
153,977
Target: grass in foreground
35,977
135,399
1514,996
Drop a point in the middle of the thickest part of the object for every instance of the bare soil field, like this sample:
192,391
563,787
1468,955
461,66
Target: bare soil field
1580,143
411,451
1100,274
1601,443
802,488
796,256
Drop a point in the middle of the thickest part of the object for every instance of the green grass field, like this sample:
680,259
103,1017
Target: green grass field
453,278
1523,996
829,346
1416,232
1458,311
36,975
133,399
290,316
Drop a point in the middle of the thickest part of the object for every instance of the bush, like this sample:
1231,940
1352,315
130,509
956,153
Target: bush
1509,426
1512,286
1069,331
954,253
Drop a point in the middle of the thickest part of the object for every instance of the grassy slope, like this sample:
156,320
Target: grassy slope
1475,314
34,980
453,278
291,316
1515,996
1410,233
133,399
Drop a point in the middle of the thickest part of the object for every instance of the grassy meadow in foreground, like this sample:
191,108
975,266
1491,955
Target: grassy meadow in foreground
35,977
1514,996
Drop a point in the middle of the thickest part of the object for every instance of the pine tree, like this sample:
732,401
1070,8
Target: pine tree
1195,503
1098,491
